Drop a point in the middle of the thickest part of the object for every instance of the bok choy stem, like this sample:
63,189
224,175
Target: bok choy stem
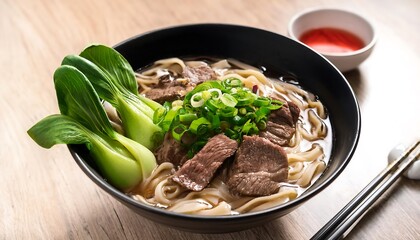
122,161
114,81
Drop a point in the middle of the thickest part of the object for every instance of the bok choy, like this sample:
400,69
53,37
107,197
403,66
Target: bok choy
114,81
83,120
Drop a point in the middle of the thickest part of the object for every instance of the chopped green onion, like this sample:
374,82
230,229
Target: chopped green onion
199,126
215,121
249,128
262,125
159,115
238,120
206,95
202,87
169,118
188,117
232,82
262,101
251,115
227,112
231,134
216,107
275,104
244,98
215,93
228,100
262,111
177,103
197,100
213,105
178,131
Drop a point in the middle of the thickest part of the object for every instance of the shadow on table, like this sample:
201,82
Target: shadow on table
122,223
272,230
357,83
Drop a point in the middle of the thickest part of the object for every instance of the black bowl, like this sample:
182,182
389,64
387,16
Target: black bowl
258,48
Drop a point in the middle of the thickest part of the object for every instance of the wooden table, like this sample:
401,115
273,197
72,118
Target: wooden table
44,194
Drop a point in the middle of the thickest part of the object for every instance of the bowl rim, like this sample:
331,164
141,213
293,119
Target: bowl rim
369,46
309,193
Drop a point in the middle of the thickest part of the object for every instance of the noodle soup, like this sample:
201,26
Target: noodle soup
308,148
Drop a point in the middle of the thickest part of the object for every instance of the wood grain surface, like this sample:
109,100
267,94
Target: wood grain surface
45,195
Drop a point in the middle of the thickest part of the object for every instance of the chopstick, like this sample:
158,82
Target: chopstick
348,215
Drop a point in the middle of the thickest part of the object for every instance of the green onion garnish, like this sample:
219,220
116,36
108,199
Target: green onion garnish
216,107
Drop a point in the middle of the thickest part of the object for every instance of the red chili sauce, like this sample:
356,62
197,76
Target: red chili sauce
331,40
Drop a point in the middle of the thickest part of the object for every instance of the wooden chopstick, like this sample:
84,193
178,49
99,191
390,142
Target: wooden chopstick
345,218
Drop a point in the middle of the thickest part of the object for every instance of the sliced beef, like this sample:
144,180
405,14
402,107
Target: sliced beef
198,171
278,133
170,88
294,110
166,92
171,151
281,124
288,114
258,168
199,74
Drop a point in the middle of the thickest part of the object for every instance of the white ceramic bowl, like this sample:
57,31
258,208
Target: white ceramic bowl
338,19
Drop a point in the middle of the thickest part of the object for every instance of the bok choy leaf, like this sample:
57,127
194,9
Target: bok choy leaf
114,81
122,161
